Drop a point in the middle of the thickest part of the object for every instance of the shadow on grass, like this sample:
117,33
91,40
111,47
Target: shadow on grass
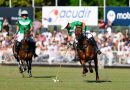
100,81
43,76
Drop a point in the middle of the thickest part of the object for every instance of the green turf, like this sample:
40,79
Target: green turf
70,79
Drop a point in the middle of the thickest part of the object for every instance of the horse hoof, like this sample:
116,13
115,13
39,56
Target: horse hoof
30,75
97,79
20,70
85,71
83,75
91,71
25,69
22,75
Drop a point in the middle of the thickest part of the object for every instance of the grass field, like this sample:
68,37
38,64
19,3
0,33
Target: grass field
70,79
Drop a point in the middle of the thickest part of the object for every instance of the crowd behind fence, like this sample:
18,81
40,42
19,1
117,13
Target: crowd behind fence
52,46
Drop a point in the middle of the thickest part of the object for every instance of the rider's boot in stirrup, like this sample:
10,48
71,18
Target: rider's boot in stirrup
98,51
17,49
35,55
95,44
34,49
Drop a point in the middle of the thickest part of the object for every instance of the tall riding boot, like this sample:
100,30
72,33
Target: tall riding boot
95,44
34,49
17,49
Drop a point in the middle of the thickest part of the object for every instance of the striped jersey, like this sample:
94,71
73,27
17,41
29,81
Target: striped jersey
24,24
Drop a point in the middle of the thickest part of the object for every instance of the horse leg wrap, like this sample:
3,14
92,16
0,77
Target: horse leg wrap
93,42
17,47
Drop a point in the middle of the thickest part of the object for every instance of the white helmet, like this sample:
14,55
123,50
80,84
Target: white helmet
24,12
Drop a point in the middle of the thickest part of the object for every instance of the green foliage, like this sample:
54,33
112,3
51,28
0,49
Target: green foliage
22,3
90,2
38,15
38,2
4,3
117,2
74,2
63,2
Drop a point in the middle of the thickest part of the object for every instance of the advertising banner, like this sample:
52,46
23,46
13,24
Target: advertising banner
118,15
63,15
12,14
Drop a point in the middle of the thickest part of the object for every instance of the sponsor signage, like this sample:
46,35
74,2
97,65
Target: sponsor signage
13,14
63,15
118,15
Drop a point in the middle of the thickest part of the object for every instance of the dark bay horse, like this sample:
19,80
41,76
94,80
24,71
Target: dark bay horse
24,56
86,52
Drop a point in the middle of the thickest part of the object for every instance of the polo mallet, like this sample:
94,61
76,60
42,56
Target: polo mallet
57,74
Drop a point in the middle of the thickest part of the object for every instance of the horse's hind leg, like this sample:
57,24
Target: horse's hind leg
29,68
96,68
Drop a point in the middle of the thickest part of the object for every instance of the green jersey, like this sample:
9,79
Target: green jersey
24,24
76,23
72,25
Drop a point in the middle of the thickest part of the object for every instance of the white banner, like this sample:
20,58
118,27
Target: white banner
63,15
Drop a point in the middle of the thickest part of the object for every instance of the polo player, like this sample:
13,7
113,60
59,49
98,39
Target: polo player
80,33
24,25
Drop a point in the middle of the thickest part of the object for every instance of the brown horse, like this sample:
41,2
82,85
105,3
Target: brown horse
24,56
86,52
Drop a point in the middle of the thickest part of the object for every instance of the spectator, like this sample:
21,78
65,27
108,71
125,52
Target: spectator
37,27
6,25
102,26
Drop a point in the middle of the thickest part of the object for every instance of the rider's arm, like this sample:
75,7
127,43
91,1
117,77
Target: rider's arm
31,26
17,27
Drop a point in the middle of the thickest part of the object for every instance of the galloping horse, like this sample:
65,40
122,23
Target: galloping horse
24,56
86,52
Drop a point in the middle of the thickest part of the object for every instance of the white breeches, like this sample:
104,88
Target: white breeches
20,37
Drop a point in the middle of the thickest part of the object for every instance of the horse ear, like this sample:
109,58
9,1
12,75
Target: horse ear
68,26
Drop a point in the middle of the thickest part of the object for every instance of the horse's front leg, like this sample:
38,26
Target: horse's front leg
90,66
81,56
96,68
21,66
85,70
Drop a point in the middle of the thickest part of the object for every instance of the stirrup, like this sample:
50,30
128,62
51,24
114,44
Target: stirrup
35,55
99,52
15,54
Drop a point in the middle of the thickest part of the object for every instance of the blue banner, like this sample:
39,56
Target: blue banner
13,14
120,16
